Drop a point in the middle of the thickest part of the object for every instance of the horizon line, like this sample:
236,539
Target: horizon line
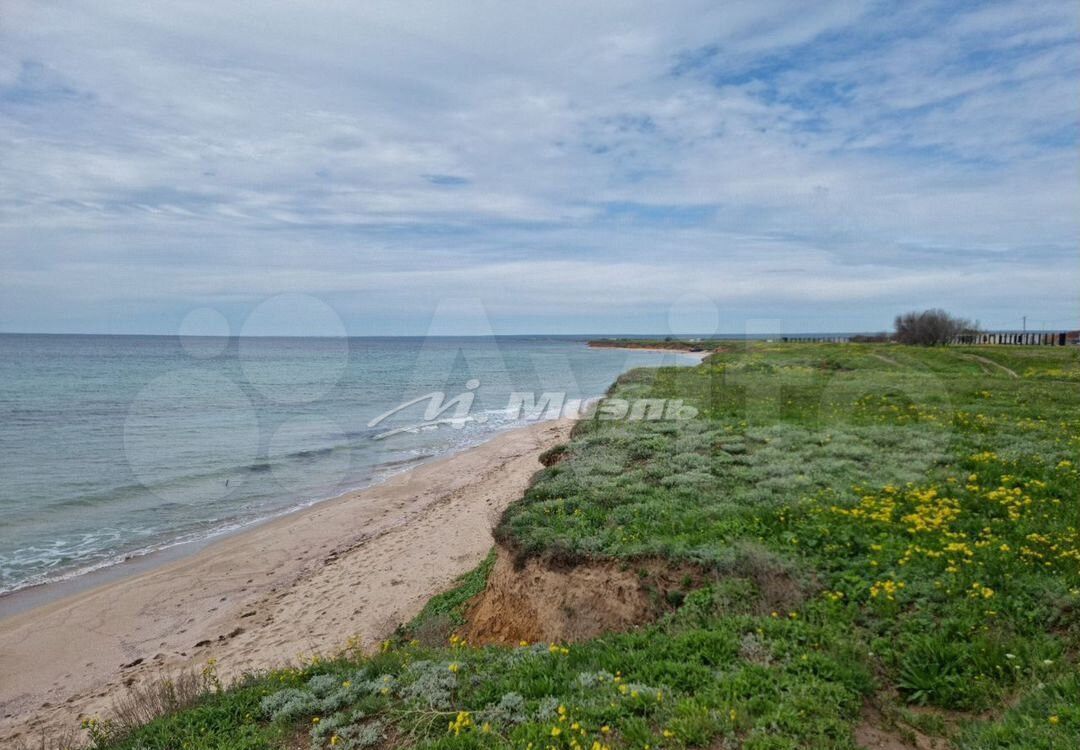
593,335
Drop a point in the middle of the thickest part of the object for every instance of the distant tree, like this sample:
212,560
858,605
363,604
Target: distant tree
930,327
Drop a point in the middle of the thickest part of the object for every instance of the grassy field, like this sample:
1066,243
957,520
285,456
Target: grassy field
887,548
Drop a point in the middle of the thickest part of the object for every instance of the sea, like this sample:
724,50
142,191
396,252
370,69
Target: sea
117,447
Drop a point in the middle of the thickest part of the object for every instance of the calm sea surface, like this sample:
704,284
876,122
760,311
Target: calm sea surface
114,446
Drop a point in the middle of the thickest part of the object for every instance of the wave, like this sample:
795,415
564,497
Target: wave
104,548
133,490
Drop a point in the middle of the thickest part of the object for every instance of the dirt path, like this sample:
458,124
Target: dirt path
883,358
984,360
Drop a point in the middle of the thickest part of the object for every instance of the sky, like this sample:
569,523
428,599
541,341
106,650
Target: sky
405,168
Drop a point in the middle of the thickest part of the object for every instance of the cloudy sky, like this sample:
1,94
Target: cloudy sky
563,167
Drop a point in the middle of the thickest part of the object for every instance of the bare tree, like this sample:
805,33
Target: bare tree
930,327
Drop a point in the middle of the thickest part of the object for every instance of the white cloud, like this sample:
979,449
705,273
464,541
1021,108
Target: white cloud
762,155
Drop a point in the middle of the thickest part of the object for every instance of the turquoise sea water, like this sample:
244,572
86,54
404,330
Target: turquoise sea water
114,446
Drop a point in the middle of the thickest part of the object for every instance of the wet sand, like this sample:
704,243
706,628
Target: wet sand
699,356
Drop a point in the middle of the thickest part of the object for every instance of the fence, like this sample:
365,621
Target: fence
1020,338
1023,338
816,339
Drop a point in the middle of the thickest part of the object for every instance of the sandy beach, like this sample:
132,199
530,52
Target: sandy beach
305,583
699,355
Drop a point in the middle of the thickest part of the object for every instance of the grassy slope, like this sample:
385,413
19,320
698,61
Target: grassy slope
924,505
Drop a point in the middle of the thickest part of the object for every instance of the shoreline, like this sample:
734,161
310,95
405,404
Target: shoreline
136,563
300,583
699,356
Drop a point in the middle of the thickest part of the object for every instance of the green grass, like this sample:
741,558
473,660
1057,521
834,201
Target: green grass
445,613
924,507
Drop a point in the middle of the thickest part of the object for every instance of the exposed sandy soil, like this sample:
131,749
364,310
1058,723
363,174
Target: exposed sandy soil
540,601
876,732
303,584
557,599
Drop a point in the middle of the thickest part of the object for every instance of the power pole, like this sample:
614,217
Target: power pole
1025,324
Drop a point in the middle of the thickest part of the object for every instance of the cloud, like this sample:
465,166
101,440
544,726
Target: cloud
446,180
575,168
